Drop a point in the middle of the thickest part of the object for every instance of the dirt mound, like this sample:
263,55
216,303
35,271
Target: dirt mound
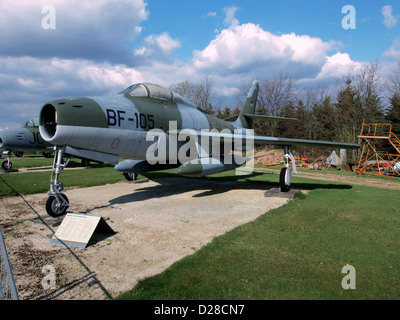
268,157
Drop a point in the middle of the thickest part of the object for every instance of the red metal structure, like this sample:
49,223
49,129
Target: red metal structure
381,150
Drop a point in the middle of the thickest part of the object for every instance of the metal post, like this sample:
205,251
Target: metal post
8,291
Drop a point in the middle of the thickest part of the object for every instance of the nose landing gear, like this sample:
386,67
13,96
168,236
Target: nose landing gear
57,203
7,165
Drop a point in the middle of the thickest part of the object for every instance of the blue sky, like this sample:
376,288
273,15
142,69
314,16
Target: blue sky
100,47
321,19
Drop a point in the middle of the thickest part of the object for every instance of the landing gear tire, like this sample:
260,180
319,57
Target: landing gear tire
55,208
6,165
130,176
282,181
85,163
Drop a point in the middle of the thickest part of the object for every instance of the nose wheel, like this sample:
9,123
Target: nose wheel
6,165
57,203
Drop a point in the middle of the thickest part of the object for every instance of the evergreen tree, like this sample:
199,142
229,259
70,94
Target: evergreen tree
325,121
393,114
349,115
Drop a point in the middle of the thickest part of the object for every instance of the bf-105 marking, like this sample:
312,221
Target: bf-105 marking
99,129
141,120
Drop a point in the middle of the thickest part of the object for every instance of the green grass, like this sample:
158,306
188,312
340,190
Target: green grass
29,161
32,161
337,173
37,182
296,251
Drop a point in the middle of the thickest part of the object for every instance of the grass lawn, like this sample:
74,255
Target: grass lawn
296,251
29,161
37,182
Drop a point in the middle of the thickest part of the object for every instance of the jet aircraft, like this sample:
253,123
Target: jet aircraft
155,128
25,137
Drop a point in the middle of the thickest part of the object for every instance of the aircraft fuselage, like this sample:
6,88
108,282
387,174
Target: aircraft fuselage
119,125
23,138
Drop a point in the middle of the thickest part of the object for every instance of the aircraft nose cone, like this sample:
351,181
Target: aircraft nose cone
56,115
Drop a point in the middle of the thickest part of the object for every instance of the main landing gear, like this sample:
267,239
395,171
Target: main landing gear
57,203
130,176
285,176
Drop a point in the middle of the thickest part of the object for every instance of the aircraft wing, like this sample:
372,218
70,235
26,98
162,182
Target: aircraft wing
303,142
268,140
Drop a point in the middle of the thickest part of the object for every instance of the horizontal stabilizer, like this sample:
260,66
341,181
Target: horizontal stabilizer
261,117
231,118
270,118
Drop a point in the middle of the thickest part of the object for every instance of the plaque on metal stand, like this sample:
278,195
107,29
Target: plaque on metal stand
78,230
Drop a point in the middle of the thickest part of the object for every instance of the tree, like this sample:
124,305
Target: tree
201,94
393,114
348,113
368,84
225,113
393,82
325,121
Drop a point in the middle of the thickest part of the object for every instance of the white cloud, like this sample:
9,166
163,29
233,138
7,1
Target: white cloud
230,19
90,54
27,83
157,46
339,65
394,51
388,19
210,14
97,30
248,49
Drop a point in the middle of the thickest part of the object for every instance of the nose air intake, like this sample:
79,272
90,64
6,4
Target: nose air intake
4,141
48,121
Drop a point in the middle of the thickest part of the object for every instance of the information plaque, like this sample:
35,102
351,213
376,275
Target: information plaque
77,230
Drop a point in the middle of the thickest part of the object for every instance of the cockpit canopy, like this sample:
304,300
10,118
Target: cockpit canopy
32,123
154,91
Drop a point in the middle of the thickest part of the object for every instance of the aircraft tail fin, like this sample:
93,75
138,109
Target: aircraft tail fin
249,107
